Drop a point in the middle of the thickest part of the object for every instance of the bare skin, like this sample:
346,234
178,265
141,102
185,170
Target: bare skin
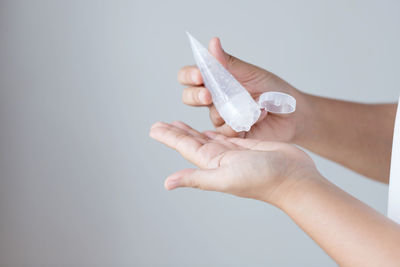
352,233
260,164
338,130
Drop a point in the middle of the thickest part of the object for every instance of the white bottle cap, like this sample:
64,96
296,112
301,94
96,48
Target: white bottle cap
277,102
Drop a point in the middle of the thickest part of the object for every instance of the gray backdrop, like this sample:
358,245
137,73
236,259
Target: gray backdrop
81,184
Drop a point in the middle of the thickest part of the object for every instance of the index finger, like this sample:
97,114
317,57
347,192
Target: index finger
179,139
192,145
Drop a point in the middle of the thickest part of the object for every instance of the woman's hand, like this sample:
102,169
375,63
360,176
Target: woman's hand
270,127
248,168
352,233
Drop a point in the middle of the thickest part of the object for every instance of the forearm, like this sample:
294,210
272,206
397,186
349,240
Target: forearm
352,233
358,136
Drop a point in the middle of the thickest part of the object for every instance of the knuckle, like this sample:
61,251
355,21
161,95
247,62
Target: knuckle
190,96
188,76
230,60
215,115
194,183
195,95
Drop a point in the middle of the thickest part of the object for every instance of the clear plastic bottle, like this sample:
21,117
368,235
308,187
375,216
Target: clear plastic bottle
231,99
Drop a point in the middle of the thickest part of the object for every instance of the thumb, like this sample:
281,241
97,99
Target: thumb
211,180
215,49
231,63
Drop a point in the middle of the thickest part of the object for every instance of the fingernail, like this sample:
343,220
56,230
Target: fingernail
203,96
173,183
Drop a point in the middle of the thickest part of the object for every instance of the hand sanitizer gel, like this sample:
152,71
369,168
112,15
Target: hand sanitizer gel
231,99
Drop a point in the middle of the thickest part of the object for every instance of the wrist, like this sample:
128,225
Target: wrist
305,117
305,187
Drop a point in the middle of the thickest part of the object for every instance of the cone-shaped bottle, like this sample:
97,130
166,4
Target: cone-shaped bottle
233,102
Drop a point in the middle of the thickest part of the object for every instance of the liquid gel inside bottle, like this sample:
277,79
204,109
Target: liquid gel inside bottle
231,99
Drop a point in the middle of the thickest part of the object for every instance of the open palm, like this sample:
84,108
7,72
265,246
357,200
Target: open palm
243,167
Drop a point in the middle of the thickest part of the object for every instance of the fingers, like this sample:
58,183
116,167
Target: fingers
220,124
226,130
192,145
254,144
196,96
216,50
190,75
240,69
215,135
190,130
216,119
211,180
178,139
175,180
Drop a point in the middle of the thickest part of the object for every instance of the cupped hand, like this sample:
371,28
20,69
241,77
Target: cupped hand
248,168
256,80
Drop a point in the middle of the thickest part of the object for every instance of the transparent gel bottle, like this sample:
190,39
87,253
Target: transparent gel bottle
231,99
233,102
